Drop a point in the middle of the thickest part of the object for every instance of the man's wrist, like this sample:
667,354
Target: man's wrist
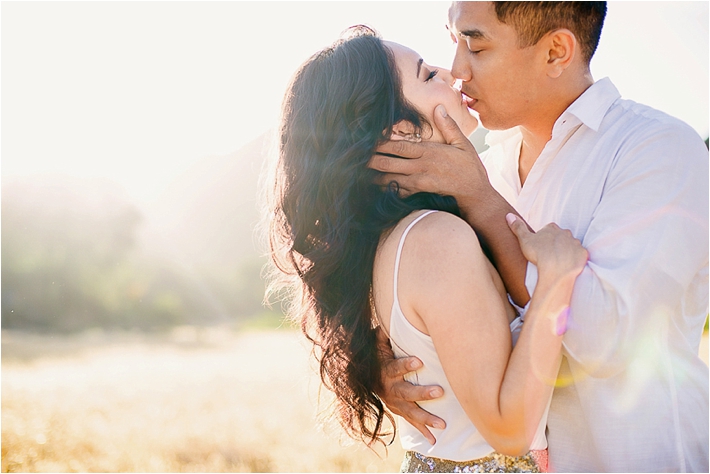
482,205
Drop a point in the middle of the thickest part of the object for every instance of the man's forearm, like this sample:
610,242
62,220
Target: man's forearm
487,217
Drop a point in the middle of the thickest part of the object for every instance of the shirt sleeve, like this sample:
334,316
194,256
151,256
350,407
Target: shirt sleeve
647,243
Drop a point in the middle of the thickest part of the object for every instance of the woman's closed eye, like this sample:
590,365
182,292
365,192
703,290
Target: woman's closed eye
431,75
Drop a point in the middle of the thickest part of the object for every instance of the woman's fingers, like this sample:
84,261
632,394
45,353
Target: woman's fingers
524,235
518,227
556,247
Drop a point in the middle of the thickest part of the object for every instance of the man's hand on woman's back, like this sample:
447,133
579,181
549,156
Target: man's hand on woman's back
400,396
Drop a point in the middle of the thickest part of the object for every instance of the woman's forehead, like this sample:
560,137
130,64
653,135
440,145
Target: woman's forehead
402,54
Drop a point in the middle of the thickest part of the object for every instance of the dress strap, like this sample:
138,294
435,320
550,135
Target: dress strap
399,251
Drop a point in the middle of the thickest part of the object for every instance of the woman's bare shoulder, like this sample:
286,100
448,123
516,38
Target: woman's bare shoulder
442,266
436,239
442,234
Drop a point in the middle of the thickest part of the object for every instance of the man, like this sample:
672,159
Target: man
630,182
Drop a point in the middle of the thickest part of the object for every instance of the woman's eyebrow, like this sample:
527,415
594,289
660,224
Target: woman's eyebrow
419,66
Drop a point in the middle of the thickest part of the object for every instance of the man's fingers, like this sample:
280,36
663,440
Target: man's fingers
383,344
385,180
425,431
421,419
416,393
392,165
383,340
401,148
448,127
399,367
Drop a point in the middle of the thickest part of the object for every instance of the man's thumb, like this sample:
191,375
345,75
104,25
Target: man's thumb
451,132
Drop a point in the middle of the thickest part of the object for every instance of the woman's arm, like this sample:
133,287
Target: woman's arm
446,284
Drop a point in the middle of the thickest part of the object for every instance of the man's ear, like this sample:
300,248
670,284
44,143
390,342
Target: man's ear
562,48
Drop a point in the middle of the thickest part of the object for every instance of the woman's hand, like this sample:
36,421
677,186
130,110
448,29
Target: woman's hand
555,252
559,258
401,396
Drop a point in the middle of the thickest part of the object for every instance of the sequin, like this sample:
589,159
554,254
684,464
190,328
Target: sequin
416,462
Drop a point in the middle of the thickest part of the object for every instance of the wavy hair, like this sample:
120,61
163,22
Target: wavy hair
326,214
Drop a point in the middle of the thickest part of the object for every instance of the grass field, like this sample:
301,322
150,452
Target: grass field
195,400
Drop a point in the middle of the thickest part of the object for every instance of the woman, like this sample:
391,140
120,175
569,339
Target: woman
341,239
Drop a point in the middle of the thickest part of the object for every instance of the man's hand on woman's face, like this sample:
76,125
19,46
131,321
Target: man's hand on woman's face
401,396
452,169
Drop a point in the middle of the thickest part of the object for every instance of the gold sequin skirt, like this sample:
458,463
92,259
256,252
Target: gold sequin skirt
416,462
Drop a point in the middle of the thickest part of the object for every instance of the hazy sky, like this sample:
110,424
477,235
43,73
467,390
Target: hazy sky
139,91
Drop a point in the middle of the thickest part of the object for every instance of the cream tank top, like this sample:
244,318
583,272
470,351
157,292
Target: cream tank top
460,440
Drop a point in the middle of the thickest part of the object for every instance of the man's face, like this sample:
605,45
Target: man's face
502,80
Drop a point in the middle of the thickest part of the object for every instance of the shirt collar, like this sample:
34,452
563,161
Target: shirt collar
591,107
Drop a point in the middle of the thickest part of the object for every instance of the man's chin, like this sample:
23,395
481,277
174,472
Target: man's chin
492,124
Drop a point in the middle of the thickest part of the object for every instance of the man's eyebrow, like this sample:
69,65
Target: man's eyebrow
474,34
419,66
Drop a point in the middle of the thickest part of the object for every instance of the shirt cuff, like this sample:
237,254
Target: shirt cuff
530,284
531,279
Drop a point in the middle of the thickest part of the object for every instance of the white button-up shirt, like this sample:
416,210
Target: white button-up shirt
631,183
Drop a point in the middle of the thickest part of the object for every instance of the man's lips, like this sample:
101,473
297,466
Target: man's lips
468,101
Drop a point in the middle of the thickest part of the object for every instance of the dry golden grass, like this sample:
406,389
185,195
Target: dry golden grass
199,401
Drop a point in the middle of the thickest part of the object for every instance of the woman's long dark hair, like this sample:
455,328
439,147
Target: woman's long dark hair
327,214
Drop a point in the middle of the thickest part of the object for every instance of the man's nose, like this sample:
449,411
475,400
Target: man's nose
460,69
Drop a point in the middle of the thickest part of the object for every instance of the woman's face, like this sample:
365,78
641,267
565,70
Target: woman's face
425,87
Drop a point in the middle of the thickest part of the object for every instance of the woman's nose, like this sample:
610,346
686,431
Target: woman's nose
446,76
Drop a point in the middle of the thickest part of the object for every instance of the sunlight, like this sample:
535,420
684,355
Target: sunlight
85,97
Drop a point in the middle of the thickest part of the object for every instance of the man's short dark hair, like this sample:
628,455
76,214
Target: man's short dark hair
532,20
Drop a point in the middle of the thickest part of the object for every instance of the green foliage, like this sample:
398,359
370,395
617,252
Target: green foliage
269,320
70,261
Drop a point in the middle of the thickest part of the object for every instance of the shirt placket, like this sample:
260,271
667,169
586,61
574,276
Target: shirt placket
535,183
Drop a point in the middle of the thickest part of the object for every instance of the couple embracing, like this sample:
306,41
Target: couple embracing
536,308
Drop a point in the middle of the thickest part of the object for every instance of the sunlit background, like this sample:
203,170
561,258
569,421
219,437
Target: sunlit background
133,137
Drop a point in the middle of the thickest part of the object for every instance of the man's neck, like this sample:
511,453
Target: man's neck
538,131
530,148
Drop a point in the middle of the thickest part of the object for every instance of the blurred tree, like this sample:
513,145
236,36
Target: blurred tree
78,253
64,249
69,260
